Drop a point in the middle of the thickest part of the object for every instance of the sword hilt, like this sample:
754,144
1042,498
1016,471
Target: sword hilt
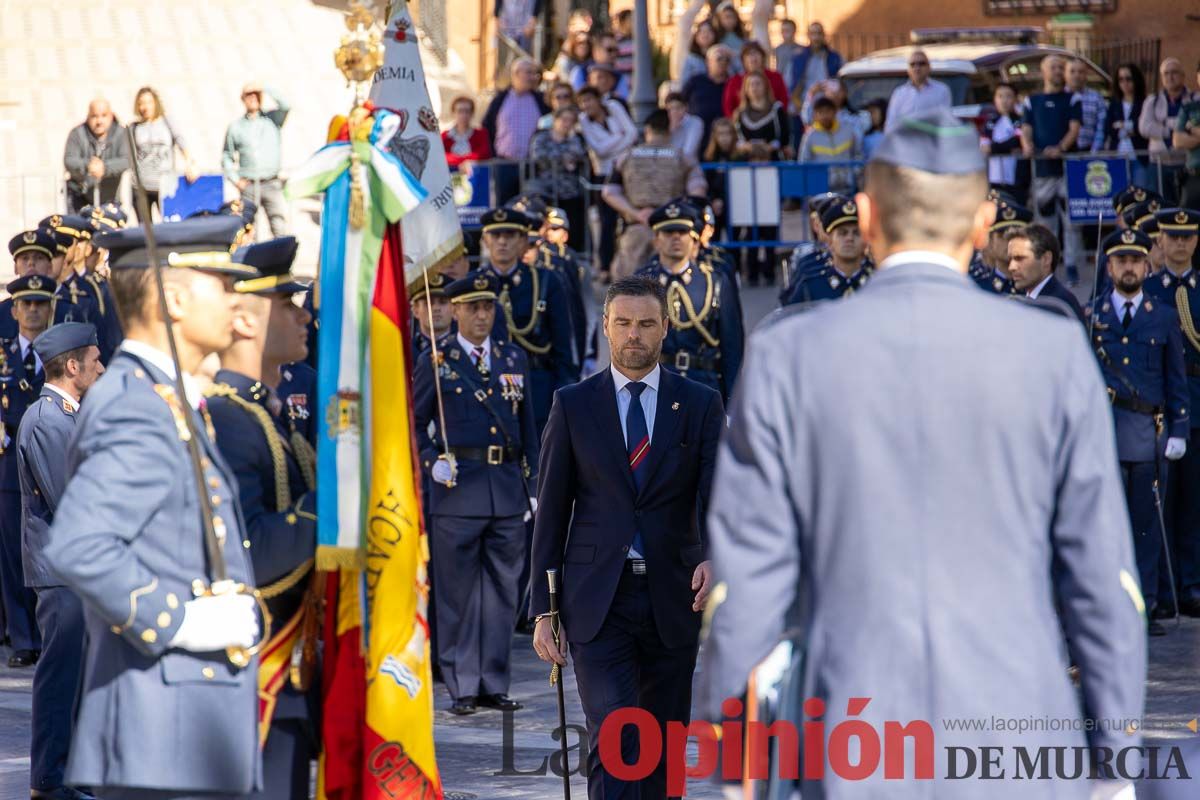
240,656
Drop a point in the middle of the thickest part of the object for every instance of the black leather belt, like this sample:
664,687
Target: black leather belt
1136,406
682,360
493,455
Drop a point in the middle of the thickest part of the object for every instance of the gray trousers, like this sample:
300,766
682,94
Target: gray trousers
268,196
476,567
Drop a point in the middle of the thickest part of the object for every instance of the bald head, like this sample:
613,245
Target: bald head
524,74
1054,73
99,117
1170,73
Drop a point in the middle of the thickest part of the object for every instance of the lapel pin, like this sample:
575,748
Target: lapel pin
674,406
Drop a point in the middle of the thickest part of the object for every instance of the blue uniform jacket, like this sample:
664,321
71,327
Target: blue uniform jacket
18,391
1184,297
483,490
828,283
1143,364
127,538
41,454
298,391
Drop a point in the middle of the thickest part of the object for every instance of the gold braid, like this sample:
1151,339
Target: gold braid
677,296
518,334
305,457
287,581
283,492
1185,318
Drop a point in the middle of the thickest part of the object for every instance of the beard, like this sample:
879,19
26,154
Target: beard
636,359
1129,282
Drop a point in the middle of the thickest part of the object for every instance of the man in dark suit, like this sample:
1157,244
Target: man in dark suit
626,469
70,354
1033,255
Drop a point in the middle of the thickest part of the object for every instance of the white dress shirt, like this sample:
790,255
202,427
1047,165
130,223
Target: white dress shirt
920,257
907,99
25,344
71,403
1119,300
649,399
1037,290
161,361
470,350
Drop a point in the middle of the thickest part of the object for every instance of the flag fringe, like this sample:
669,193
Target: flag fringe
331,558
439,258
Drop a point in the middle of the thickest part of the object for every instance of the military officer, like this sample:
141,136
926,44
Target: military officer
705,339
75,300
1139,345
21,379
274,467
1178,286
811,256
298,391
90,265
70,355
33,252
533,309
1130,196
481,466
989,267
1033,256
140,548
430,311
849,265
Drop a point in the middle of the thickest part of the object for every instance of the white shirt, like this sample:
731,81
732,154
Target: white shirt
1119,300
907,100
649,400
1037,290
25,344
470,350
161,361
71,403
920,257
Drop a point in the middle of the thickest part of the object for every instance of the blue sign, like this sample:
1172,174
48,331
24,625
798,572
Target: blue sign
472,194
1091,185
183,199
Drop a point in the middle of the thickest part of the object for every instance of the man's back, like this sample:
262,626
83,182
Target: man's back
923,498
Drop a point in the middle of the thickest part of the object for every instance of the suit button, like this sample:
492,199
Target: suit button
1124,340
209,673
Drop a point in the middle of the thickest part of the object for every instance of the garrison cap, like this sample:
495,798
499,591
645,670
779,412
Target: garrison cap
63,338
674,216
1131,196
505,219
1130,242
438,281
1178,221
203,244
475,286
273,261
556,217
1010,215
32,287
835,215
932,141
36,241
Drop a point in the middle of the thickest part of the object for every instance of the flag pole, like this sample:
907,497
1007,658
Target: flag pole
446,455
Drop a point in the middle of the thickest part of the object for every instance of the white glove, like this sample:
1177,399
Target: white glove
442,472
532,509
1176,447
217,622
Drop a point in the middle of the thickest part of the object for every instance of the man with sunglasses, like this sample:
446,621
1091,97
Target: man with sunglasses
919,93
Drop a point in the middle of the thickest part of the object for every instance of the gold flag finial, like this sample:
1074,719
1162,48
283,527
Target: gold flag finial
360,53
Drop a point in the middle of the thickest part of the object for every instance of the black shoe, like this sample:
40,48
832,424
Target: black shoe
463,706
23,658
500,702
61,793
1162,612
1156,628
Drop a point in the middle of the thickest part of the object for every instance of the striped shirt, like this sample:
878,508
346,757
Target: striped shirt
1091,128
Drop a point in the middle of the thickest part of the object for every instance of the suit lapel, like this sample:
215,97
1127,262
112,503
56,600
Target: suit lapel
604,406
666,418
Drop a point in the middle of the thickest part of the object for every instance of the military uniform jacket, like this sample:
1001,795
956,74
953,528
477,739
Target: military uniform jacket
298,391
936,596
127,539
41,455
1185,299
987,278
538,318
705,338
483,490
1142,366
830,284
806,258
1162,284
278,503
561,261
18,390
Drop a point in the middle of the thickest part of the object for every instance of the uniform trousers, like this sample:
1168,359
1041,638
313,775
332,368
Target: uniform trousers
1181,505
55,682
20,603
626,665
476,564
1138,478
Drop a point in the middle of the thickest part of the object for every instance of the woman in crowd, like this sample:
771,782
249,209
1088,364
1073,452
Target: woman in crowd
464,142
558,96
729,26
576,52
1124,110
877,108
692,41
1002,143
753,59
763,135
559,157
156,141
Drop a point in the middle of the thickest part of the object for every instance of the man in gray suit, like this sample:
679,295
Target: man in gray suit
878,491
70,355
162,712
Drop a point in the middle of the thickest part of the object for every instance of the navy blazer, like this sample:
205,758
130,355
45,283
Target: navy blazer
588,506
1055,288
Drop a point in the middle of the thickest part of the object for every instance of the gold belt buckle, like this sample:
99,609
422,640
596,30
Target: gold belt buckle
683,361
495,454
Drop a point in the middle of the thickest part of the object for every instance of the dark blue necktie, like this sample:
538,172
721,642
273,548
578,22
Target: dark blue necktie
637,442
